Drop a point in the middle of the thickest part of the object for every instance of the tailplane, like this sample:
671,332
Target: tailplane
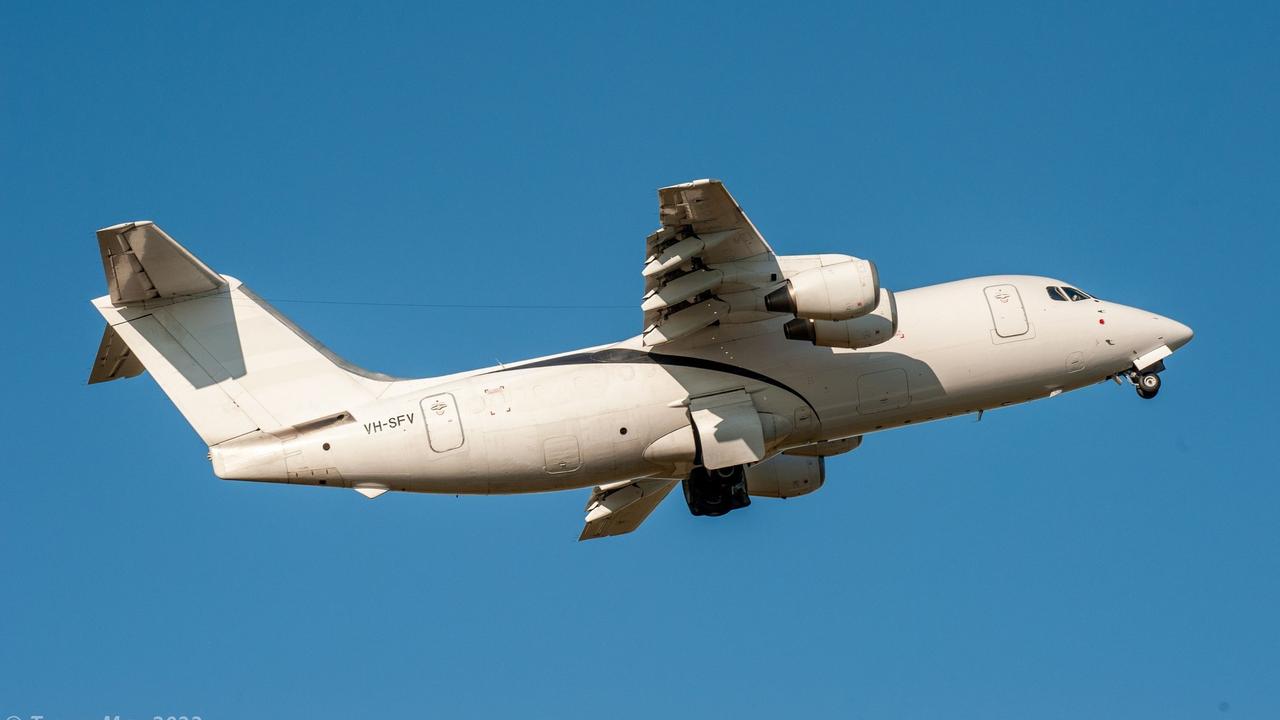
230,362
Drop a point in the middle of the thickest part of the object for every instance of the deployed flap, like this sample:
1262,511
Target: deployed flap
619,508
143,263
706,248
115,360
729,429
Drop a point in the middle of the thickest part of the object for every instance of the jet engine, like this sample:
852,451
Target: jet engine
784,476
842,287
871,329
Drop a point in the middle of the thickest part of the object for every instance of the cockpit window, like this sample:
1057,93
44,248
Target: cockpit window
1075,295
1056,294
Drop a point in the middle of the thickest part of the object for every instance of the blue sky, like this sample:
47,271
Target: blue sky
1089,556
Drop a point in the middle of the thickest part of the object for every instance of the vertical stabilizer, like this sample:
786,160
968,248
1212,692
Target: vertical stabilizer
230,362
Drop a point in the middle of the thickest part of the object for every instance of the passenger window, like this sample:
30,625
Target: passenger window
1074,294
1056,294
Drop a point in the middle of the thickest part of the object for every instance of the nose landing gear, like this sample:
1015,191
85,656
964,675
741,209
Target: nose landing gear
1146,383
716,492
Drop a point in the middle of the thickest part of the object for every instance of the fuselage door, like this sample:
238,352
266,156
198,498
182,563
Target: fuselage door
1006,310
444,428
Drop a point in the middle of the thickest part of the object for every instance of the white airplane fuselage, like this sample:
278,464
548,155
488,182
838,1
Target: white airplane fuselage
752,368
616,412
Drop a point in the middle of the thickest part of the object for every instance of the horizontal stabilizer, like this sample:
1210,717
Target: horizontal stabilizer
143,263
115,360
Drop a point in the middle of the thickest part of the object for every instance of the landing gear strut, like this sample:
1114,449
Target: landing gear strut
716,492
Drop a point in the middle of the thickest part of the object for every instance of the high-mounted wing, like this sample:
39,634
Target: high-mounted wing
705,262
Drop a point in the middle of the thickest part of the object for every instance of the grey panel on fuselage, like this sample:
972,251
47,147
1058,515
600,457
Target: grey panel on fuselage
883,390
561,454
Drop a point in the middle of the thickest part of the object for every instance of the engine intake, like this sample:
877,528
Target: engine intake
842,288
861,332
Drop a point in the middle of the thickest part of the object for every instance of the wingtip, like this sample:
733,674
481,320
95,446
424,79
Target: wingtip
125,225
693,183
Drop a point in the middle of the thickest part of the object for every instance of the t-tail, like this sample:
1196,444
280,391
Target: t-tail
246,378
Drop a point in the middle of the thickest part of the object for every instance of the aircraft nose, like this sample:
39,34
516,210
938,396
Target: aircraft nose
1175,333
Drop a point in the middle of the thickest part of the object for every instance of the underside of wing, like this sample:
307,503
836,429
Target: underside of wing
706,263
618,508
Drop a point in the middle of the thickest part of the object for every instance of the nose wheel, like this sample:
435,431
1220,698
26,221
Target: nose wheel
1147,384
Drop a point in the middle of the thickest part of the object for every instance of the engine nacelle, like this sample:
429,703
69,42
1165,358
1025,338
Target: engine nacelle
871,329
784,476
843,287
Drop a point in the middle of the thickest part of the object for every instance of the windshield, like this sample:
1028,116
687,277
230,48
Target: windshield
1063,294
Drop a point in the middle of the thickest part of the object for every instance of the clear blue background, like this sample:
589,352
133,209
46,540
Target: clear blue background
1090,556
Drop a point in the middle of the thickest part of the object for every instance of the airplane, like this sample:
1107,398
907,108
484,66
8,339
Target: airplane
752,368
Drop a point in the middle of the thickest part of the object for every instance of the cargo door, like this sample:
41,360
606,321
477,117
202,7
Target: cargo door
1006,310
444,428
728,428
